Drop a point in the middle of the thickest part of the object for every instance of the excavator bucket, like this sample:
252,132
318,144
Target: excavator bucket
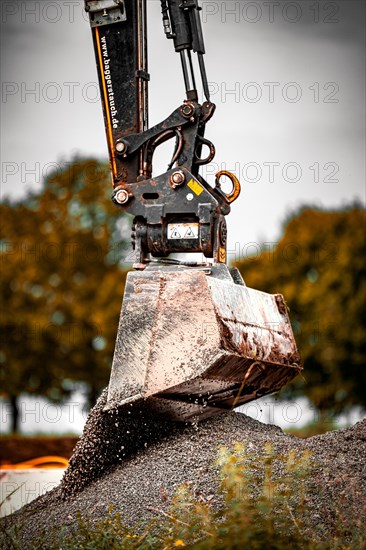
194,342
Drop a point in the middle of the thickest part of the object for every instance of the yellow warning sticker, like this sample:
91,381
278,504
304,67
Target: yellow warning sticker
195,186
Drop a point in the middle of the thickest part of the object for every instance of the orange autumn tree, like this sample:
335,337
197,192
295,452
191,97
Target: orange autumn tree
319,265
61,285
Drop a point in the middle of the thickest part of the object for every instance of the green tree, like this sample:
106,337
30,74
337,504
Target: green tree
319,265
61,285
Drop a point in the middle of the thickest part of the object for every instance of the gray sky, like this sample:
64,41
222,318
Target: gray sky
288,79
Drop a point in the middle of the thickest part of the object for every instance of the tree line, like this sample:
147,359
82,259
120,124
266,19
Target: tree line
62,281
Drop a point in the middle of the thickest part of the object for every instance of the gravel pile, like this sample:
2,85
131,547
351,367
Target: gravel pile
126,459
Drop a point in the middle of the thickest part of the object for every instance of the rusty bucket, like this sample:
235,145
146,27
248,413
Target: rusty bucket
194,342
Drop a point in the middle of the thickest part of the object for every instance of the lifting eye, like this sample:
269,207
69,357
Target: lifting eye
150,196
235,192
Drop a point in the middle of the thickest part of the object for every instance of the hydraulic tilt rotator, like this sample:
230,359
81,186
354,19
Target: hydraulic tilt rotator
181,195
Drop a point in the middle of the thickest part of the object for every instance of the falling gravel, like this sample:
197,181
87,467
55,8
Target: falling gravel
129,460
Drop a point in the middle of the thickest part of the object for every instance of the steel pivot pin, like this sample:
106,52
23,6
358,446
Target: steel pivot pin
120,196
187,110
121,147
177,178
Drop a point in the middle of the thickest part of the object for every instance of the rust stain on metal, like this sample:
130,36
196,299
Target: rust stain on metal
198,345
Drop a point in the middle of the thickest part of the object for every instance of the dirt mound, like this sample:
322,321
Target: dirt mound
127,460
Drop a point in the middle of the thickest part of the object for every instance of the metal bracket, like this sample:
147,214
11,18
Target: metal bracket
105,12
140,73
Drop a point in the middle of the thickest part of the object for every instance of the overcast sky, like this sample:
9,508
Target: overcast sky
288,79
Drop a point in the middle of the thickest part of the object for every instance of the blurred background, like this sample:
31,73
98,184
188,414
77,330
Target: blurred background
288,79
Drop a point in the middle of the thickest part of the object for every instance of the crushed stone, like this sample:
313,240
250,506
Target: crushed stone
136,463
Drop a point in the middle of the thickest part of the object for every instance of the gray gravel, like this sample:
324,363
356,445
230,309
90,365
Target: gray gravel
126,459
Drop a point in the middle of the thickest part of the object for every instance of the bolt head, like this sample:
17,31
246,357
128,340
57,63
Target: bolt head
190,197
122,196
187,110
121,147
177,178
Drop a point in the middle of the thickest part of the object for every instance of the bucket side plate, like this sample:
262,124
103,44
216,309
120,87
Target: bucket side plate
160,340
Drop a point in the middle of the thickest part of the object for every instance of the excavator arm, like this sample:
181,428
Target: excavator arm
192,340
